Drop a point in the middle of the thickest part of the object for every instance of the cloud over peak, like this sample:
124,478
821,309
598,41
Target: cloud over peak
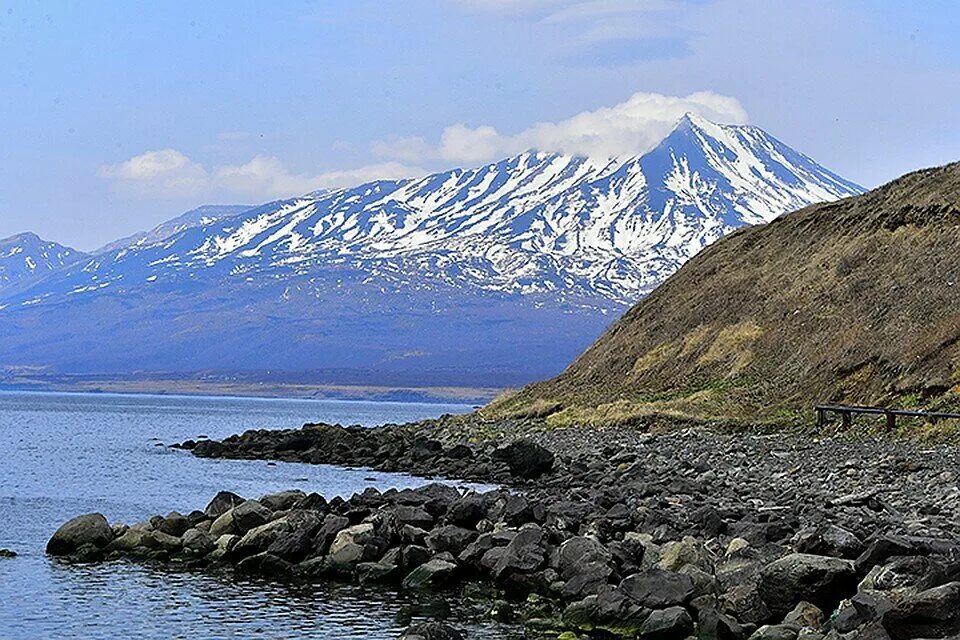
629,128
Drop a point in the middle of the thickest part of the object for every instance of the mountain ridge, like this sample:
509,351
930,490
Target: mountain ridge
530,256
26,257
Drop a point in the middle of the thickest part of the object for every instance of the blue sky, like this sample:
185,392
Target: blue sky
117,115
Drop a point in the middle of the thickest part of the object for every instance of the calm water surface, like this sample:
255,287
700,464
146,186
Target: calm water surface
67,454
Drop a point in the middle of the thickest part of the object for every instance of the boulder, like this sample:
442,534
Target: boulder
829,540
293,546
431,574
805,614
900,573
467,511
353,544
675,555
432,631
224,545
198,542
714,625
672,623
745,603
934,613
656,588
525,458
90,529
332,525
588,579
775,632
221,503
525,554
821,580
413,516
140,540
283,500
265,564
7,553
578,552
609,610
240,519
173,524
450,538
260,538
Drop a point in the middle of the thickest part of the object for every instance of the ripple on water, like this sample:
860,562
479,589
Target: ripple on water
70,454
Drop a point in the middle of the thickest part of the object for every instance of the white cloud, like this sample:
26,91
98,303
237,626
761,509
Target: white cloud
629,128
168,173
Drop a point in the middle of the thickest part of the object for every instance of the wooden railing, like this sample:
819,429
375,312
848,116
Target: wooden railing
847,412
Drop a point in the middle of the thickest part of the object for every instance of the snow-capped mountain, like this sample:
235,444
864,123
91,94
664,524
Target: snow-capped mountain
202,215
26,257
515,264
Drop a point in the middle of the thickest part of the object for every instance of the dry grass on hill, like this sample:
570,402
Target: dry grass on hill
856,301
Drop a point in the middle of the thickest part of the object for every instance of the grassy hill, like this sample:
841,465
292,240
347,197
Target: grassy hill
853,301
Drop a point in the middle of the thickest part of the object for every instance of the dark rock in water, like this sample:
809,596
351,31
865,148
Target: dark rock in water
432,574
241,519
221,503
526,458
609,610
294,547
7,553
934,613
432,631
822,580
87,530
174,524
657,588
673,623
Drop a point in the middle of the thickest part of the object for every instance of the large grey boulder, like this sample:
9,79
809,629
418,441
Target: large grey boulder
525,554
283,500
221,503
934,613
431,574
673,623
525,458
821,580
450,538
657,588
241,519
90,529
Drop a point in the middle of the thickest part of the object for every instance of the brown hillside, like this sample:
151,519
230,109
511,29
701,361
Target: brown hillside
853,301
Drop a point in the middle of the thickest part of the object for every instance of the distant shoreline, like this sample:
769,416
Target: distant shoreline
277,390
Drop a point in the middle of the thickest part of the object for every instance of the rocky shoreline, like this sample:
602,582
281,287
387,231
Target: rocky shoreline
598,533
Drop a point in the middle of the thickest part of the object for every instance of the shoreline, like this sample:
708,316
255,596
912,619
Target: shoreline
273,391
765,536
